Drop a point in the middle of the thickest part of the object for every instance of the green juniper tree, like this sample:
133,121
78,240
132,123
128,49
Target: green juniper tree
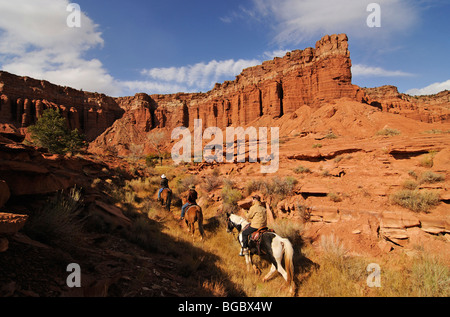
51,132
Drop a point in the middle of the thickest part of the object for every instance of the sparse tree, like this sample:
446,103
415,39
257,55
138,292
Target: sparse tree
157,141
51,132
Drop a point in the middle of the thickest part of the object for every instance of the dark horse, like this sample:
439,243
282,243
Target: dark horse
272,245
166,198
194,214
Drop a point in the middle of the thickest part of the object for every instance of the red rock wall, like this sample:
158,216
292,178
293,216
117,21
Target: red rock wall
309,77
23,100
435,108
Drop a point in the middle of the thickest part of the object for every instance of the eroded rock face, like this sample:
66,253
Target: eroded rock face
307,77
422,108
23,100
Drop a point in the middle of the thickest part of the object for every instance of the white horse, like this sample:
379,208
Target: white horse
273,245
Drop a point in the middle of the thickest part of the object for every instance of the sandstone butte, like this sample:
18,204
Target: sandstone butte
307,93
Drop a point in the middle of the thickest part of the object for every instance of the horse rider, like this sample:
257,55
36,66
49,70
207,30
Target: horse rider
257,215
163,184
191,200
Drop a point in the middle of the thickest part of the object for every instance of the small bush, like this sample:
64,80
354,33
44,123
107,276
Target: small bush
388,132
211,182
412,174
290,230
230,198
410,184
416,200
331,135
431,178
334,197
316,146
426,161
57,223
301,169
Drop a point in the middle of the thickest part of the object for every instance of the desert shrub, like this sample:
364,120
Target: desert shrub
426,161
331,135
51,132
410,184
283,187
388,132
325,173
276,187
301,169
333,248
317,145
430,178
334,197
182,184
290,230
412,174
416,200
230,198
57,222
211,182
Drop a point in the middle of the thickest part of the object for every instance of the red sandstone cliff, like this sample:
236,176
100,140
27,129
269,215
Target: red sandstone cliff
308,78
23,99
435,108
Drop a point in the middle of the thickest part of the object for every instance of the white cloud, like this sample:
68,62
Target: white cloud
35,41
275,53
200,76
295,21
359,70
431,89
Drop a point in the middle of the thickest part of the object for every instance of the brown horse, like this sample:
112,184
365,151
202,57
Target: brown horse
166,198
194,214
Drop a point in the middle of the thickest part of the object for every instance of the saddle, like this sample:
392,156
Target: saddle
256,237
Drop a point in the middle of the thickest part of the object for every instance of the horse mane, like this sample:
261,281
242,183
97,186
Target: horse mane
238,220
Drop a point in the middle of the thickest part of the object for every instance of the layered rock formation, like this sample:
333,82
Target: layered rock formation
23,100
435,108
307,77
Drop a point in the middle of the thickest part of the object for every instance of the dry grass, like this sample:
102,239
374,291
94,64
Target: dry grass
57,223
329,270
416,200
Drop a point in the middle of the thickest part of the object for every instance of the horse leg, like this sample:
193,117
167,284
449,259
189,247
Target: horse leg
269,275
248,261
188,226
278,252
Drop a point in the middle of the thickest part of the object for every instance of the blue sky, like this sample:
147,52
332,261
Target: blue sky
125,47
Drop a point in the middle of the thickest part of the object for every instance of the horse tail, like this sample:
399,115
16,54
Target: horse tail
169,200
288,260
200,220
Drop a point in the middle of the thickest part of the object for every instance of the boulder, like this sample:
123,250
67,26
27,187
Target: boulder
11,223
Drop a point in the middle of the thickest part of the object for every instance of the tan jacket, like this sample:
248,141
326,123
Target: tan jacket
257,216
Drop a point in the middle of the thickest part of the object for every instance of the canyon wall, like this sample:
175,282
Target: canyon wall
311,77
23,100
302,77
433,108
